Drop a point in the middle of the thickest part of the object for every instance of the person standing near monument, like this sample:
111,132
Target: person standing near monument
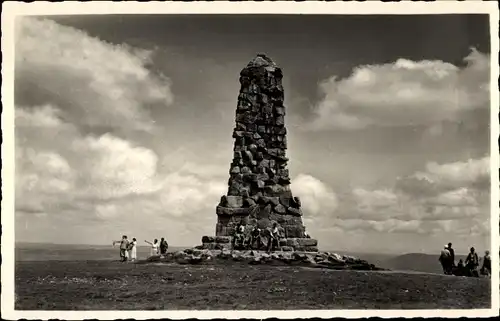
452,257
472,262
163,247
255,238
486,268
274,238
133,250
124,243
154,247
444,258
239,236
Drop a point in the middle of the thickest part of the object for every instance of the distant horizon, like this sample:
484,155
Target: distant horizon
190,246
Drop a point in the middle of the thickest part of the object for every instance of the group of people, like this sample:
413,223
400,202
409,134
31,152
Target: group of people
254,240
128,249
468,268
158,248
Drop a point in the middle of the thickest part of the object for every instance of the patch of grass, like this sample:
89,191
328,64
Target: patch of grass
102,285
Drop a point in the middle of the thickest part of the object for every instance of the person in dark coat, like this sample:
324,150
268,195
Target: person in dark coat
255,240
452,256
486,268
472,262
444,258
459,270
163,246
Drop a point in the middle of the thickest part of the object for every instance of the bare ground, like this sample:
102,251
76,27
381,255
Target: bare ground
104,285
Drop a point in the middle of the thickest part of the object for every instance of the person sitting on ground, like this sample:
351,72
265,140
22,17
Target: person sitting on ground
486,268
460,269
163,247
306,235
154,247
274,238
444,258
472,262
239,236
123,248
255,238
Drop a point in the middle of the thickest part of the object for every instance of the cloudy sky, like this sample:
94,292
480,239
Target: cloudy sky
124,123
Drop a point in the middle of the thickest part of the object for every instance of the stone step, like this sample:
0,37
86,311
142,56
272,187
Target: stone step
286,245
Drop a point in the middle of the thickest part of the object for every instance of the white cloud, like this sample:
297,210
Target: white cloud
45,172
423,203
106,211
471,172
69,83
404,93
39,116
95,82
186,194
115,168
470,227
111,171
385,226
316,197
377,200
438,178
458,197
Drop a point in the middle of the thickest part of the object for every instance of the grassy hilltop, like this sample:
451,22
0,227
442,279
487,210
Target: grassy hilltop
94,280
112,285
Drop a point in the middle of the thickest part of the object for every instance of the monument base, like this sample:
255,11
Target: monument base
216,242
287,245
290,224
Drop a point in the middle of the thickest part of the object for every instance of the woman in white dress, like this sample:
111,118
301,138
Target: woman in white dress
154,247
133,250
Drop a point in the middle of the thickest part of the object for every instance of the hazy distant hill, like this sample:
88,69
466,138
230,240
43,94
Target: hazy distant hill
74,252
416,262
378,259
420,262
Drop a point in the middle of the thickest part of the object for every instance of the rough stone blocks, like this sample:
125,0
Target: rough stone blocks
259,184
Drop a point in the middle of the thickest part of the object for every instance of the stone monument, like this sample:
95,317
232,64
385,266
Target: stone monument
259,184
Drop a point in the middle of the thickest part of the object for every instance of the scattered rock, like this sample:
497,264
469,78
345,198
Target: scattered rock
195,259
208,239
222,239
306,242
286,256
225,254
280,209
295,211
